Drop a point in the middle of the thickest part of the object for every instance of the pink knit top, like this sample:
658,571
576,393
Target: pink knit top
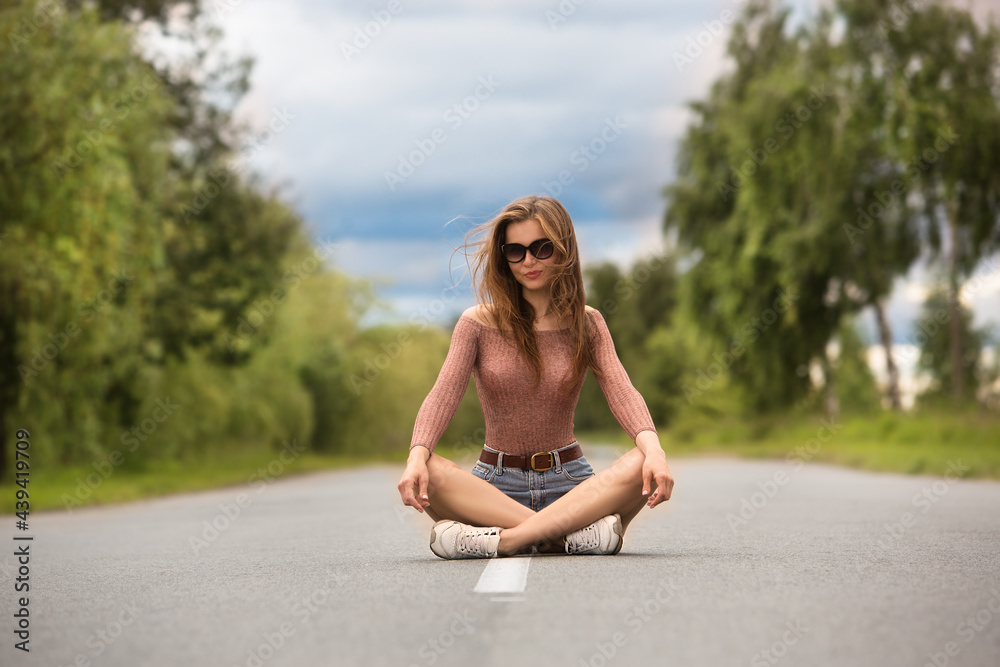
522,418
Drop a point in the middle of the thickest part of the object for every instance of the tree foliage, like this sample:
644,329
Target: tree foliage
157,302
934,332
820,167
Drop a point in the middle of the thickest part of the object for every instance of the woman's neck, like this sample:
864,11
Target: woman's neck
540,300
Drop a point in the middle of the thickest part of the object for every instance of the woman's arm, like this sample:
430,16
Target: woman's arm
437,411
441,403
630,410
626,403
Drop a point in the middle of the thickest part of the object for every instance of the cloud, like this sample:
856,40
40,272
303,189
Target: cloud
359,115
373,91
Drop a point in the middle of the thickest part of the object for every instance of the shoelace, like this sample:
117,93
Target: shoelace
475,542
583,539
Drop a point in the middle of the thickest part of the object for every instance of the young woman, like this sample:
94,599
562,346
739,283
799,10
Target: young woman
529,344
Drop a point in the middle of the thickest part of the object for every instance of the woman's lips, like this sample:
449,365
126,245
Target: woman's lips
532,274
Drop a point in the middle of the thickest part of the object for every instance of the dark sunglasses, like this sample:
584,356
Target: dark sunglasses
515,252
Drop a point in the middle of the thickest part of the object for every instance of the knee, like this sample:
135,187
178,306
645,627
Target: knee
631,468
439,470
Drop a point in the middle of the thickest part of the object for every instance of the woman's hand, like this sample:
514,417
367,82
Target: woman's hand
655,469
413,484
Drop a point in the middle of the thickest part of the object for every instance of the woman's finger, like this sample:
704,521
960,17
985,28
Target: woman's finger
407,494
665,487
422,484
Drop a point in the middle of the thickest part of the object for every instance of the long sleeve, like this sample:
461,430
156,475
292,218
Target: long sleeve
442,402
626,403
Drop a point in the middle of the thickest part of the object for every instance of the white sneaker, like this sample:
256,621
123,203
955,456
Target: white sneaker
451,539
601,538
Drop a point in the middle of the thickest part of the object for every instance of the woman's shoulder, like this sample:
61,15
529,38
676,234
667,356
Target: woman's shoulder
480,313
597,326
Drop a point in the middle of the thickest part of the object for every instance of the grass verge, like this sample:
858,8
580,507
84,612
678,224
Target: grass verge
911,444
74,487
901,443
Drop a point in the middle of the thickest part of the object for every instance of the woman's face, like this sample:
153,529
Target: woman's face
532,273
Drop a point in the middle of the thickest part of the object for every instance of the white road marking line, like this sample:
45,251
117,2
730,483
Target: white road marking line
504,575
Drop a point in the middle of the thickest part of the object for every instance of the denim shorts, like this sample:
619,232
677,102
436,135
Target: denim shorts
535,490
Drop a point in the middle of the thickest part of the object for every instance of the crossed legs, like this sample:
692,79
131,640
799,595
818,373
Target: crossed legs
457,494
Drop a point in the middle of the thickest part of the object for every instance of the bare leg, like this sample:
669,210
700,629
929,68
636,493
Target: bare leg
615,490
457,494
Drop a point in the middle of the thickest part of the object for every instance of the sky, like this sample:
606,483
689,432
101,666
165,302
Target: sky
405,123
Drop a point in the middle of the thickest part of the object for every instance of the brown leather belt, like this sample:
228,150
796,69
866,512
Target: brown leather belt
539,462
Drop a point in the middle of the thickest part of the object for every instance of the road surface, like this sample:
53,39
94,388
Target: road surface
751,563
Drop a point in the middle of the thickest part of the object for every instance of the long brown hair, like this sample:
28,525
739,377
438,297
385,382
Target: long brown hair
498,289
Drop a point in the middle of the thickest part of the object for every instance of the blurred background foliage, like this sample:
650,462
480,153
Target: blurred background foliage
142,266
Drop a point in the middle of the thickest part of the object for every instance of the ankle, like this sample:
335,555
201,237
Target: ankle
554,546
508,545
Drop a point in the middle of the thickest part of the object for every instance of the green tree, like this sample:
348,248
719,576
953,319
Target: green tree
829,203
928,73
633,304
855,385
749,207
82,161
934,330
138,256
949,64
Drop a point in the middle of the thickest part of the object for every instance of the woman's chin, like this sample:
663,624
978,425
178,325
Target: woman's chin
536,285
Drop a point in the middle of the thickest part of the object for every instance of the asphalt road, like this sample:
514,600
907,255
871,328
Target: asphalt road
826,566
